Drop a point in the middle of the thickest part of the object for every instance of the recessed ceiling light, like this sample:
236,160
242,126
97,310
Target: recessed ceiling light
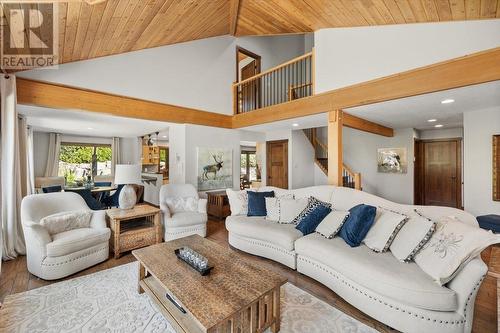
89,128
438,125
447,101
432,120
164,136
295,125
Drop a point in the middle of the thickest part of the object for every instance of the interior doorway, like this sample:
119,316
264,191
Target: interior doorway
248,64
438,172
277,163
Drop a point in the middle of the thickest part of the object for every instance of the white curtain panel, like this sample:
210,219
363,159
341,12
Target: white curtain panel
52,166
115,154
26,158
10,172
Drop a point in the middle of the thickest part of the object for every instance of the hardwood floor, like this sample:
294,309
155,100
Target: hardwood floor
15,278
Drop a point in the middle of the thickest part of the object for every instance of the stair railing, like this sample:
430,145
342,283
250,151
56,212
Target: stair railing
291,80
349,178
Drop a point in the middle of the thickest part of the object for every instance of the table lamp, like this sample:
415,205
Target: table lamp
127,174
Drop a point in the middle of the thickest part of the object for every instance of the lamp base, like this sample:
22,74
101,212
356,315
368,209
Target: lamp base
127,198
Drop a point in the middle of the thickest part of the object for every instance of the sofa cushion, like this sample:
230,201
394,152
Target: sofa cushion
387,224
257,203
332,223
283,235
291,208
380,272
185,219
357,225
75,240
310,221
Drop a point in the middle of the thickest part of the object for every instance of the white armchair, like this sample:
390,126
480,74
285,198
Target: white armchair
55,256
182,223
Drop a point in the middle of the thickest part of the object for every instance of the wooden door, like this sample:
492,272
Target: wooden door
249,91
277,163
438,179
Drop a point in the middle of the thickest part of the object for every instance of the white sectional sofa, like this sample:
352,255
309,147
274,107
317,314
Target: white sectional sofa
398,294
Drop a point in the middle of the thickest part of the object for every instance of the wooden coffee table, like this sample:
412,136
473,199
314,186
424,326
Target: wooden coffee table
237,296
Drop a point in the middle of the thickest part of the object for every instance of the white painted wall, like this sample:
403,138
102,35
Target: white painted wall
360,154
479,126
195,74
302,154
444,133
351,55
131,150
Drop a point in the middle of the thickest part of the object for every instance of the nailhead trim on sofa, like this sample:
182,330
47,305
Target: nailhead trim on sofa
268,245
185,230
389,305
76,258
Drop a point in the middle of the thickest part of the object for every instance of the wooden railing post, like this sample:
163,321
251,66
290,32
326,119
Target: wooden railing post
235,98
357,181
335,163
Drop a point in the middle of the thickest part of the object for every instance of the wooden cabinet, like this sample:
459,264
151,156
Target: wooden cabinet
218,204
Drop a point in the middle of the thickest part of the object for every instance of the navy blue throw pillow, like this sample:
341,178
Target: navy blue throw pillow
257,202
357,225
313,218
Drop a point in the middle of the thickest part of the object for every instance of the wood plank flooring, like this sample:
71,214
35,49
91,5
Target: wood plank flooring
15,278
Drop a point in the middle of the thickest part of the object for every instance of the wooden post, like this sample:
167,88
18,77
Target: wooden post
235,98
335,148
357,181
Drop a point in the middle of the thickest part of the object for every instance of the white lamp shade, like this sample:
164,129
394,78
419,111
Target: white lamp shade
127,174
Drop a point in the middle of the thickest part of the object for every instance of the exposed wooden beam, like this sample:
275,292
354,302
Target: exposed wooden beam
472,69
234,9
335,162
58,96
365,125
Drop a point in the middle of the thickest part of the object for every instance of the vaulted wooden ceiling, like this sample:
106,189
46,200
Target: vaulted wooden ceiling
117,26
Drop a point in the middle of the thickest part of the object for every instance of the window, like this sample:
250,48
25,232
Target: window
248,166
79,160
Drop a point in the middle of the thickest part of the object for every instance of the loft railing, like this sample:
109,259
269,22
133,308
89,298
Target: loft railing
292,80
349,178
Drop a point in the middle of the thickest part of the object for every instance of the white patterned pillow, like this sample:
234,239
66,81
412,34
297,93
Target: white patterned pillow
238,202
273,206
451,247
290,209
60,222
387,224
332,223
179,205
414,234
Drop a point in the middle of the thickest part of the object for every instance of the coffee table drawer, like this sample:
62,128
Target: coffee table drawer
136,239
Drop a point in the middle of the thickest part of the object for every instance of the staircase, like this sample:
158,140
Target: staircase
349,178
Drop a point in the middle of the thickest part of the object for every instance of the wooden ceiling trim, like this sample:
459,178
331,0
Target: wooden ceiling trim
444,10
81,32
234,9
430,10
126,34
106,42
473,69
100,35
405,8
31,92
365,9
472,9
418,11
395,11
72,23
488,8
384,12
123,21
361,124
457,9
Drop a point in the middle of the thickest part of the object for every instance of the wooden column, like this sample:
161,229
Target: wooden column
335,148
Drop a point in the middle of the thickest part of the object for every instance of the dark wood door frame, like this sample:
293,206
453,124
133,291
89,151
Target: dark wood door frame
250,54
419,158
268,161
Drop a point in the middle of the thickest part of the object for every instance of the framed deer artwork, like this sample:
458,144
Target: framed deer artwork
215,168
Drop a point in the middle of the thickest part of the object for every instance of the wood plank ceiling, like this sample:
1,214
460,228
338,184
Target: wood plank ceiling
117,26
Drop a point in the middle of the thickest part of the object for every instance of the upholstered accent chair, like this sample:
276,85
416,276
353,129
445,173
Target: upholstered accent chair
182,223
55,256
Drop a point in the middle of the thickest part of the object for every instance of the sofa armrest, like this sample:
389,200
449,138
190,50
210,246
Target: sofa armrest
202,206
98,220
164,210
466,284
38,233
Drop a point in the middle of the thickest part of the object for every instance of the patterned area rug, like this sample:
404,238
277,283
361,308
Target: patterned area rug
108,301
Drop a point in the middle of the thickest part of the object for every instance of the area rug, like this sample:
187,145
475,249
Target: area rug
108,301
